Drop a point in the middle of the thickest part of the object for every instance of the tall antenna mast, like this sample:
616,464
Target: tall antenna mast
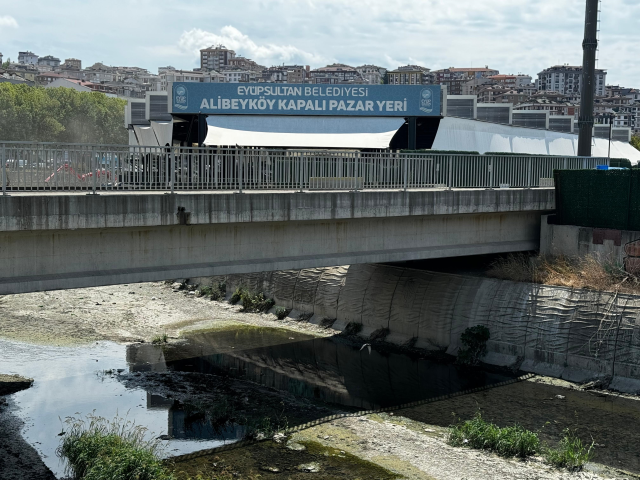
589,47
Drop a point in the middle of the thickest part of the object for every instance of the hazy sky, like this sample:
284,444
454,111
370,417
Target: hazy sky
509,35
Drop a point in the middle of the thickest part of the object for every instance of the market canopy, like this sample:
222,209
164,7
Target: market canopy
301,132
471,135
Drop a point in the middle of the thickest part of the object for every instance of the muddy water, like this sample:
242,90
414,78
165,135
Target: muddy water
219,386
70,382
331,370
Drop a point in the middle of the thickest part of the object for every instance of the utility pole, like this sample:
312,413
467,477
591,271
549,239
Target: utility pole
589,47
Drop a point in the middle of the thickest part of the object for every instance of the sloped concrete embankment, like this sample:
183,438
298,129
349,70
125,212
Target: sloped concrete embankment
577,335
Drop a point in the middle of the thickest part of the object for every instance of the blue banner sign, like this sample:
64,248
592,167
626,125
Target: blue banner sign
299,99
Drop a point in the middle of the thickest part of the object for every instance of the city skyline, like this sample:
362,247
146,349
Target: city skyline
510,38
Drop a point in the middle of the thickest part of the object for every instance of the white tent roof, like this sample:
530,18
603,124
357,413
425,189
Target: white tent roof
145,136
301,132
472,135
163,132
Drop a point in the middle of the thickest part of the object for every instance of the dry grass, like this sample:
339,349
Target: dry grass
586,272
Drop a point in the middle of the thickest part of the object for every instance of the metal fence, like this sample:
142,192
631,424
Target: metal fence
69,167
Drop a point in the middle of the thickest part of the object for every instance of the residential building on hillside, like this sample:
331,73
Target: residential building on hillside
27,71
72,64
489,93
511,96
188,76
215,57
455,78
49,61
285,74
471,87
409,75
297,73
239,76
554,108
27,58
336,73
242,63
372,74
567,80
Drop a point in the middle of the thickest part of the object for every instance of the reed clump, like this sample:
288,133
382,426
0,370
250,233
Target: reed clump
588,272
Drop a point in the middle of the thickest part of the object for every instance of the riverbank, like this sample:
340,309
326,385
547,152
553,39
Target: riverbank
18,459
409,443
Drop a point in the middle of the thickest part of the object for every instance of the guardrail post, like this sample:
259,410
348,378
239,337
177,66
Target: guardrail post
529,173
94,161
491,174
172,170
406,170
240,168
356,171
300,167
4,171
450,181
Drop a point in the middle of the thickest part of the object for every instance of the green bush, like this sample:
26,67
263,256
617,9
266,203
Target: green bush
477,433
282,312
97,449
160,339
571,453
474,345
217,291
252,302
237,295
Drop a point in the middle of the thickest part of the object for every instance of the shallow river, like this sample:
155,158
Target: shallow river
71,382
307,377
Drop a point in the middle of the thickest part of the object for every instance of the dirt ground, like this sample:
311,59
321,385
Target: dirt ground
121,313
410,443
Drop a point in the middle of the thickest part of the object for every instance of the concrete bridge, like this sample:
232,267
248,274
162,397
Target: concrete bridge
62,240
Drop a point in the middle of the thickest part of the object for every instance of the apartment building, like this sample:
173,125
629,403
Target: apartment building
409,75
242,63
215,57
567,80
336,73
72,64
27,58
174,75
49,61
372,74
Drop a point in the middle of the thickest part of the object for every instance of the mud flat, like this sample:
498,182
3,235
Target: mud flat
18,459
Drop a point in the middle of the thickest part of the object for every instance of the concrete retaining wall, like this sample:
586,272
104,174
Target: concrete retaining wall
578,335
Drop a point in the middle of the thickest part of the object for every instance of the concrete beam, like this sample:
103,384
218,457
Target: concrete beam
46,259
55,211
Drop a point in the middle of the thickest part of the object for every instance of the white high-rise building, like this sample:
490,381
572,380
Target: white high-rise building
567,80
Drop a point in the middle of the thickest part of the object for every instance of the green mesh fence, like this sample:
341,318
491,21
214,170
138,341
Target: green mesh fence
598,198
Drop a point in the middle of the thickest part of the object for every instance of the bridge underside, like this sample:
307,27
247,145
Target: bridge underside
60,259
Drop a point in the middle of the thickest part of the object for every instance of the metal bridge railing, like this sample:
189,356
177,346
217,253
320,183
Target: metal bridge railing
94,168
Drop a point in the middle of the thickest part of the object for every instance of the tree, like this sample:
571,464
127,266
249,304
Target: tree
635,141
61,114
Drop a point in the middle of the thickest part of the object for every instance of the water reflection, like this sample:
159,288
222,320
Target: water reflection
331,370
